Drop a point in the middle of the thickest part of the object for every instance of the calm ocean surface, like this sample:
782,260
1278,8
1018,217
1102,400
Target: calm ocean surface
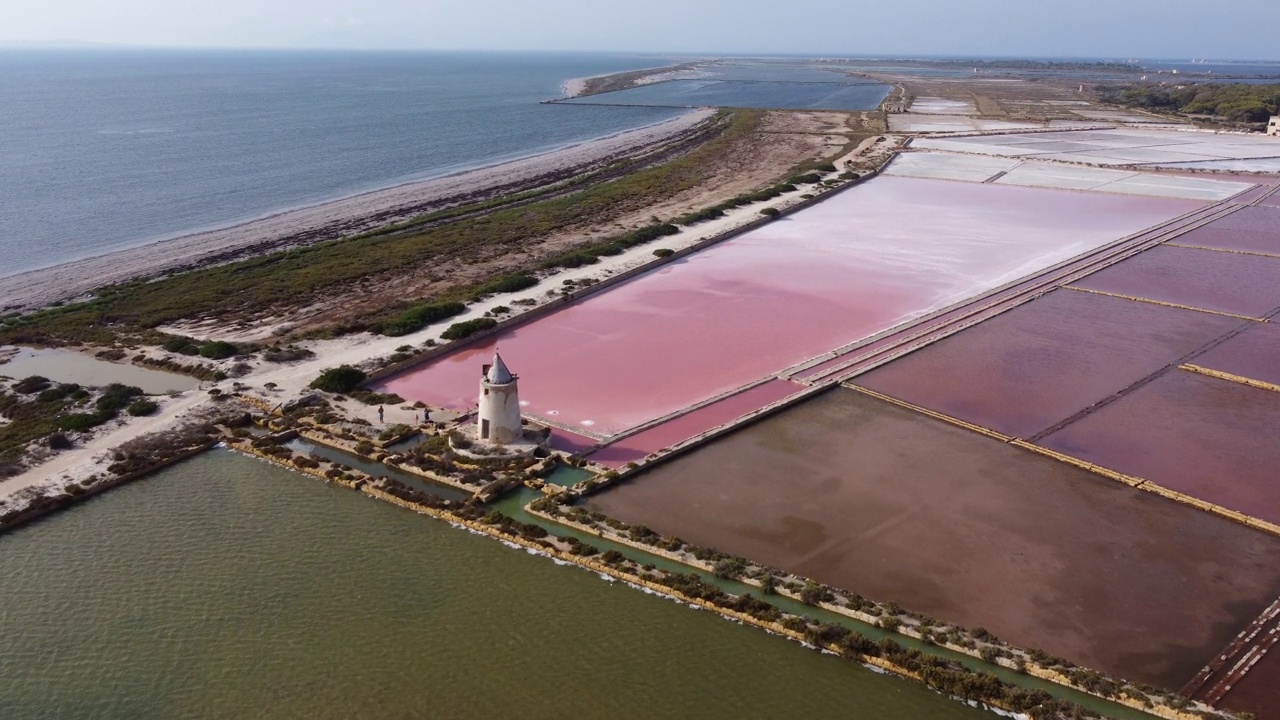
101,150
228,588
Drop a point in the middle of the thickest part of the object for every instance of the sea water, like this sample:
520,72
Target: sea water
106,149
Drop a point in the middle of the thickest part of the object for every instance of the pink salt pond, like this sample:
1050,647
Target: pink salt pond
861,262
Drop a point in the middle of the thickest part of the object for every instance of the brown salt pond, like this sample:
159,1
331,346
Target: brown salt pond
1225,282
862,261
1258,691
1254,353
1251,229
1209,438
1022,371
897,506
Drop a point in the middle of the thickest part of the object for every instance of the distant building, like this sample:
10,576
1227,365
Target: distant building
1273,127
498,418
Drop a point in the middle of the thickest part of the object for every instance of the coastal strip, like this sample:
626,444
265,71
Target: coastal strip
334,219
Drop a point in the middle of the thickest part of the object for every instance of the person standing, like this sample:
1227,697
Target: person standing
379,413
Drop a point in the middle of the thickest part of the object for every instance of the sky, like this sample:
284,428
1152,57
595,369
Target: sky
1176,29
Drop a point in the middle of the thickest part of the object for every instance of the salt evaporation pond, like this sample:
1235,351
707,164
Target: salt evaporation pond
836,94
861,262
898,506
225,587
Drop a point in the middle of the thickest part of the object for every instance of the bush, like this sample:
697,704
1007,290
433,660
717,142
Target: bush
34,383
142,407
510,283
180,344
467,328
59,441
342,379
827,167
808,178
79,422
772,212
218,350
663,252
418,317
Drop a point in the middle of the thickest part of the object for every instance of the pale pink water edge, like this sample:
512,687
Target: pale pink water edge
859,263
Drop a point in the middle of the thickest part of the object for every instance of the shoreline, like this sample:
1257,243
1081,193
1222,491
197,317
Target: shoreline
324,220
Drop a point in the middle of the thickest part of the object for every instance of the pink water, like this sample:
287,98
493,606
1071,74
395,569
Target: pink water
1038,364
1252,229
1226,282
1209,438
1254,353
861,262
694,423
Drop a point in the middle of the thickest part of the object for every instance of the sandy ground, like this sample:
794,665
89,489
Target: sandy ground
331,219
291,380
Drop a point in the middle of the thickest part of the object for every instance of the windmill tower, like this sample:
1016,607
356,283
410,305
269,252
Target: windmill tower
498,418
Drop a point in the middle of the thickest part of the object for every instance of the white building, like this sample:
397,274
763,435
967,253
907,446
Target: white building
498,418
1273,127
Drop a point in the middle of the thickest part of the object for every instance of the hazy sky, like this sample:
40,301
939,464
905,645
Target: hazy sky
1240,29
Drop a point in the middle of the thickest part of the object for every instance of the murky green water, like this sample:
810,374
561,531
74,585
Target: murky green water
67,366
225,587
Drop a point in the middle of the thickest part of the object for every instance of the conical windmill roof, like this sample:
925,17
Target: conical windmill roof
498,372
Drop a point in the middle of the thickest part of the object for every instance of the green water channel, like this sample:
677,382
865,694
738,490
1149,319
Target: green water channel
228,587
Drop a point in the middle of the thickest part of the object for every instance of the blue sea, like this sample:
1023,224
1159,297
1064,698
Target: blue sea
106,149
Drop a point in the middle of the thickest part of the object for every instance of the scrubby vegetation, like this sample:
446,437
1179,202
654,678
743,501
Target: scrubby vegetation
342,379
249,288
1235,103
467,328
416,317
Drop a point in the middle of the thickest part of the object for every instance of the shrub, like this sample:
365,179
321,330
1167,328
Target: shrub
59,441
805,179
79,422
342,379
142,407
467,328
417,317
180,344
31,384
218,350
827,167
507,284
772,212
663,252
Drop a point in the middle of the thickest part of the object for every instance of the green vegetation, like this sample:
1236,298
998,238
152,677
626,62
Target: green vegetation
590,254
142,407
467,328
772,212
1235,103
416,317
663,252
510,283
342,379
218,350
251,287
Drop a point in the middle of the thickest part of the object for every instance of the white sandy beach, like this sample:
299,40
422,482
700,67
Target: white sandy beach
323,221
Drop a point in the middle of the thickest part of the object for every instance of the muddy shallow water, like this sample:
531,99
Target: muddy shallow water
897,506
1209,438
1226,282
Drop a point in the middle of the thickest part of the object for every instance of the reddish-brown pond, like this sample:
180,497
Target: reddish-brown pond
1209,438
1259,690
1038,364
1252,229
889,503
1254,353
1222,281
860,262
